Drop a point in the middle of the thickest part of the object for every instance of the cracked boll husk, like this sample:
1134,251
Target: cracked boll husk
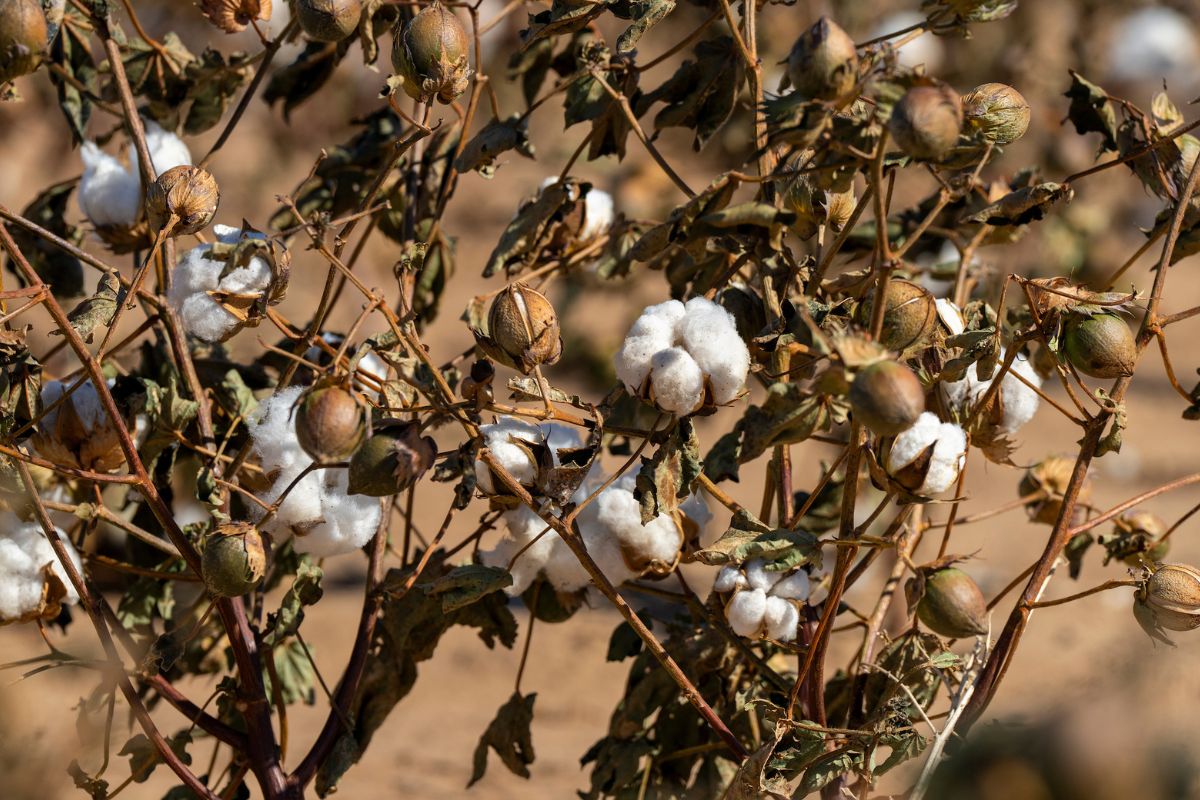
949,448
24,552
196,274
499,437
324,518
680,348
85,437
1020,401
110,193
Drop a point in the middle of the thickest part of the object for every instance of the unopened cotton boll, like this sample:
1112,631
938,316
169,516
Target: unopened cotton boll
110,193
24,554
1020,402
782,618
745,612
197,274
949,443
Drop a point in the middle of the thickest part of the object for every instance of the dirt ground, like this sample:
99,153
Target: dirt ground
1087,664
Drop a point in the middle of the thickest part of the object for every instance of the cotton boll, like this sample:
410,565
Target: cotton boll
24,552
758,577
672,310
793,587
950,444
499,439
782,618
729,579
677,382
597,214
274,432
349,521
166,149
619,514
710,335
1019,400
196,274
109,194
745,612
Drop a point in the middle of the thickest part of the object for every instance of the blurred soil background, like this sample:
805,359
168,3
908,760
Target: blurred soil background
1124,709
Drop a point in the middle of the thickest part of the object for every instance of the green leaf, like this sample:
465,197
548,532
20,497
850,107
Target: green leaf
508,735
466,584
297,676
748,537
563,17
305,76
723,459
790,414
624,643
830,767
96,788
1091,112
305,590
702,93
645,15
669,474
96,310
497,137
1023,206
72,52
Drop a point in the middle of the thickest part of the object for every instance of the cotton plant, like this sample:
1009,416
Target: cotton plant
684,356
318,512
110,192
763,603
926,459
198,277
33,584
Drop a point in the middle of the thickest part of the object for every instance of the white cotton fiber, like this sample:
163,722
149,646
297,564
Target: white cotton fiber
24,552
501,439
109,194
950,444
710,335
729,579
793,587
745,612
781,618
597,214
677,382
167,150
196,274
325,519
1020,402
85,399
524,526
683,348
758,577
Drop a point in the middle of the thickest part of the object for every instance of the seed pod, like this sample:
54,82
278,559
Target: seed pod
232,16
927,120
814,206
328,20
430,54
1048,481
997,111
523,329
887,397
23,38
1100,345
330,423
909,318
952,604
187,193
1135,539
391,460
1170,598
823,63
78,431
234,559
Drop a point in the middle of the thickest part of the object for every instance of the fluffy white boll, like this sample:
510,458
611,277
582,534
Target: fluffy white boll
793,587
324,517
597,214
24,552
85,399
949,447
1019,400
110,193
782,619
197,274
729,579
680,348
501,439
1154,44
746,610
925,50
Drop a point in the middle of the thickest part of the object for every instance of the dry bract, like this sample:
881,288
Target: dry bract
232,16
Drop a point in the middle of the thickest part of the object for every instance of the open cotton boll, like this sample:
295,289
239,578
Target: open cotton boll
656,541
745,612
347,521
24,552
499,439
949,445
1152,44
676,380
758,577
782,618
709,334
167,150
273,431
524,526
196,274
1020,402
597,213
729,579
794,587
109,193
